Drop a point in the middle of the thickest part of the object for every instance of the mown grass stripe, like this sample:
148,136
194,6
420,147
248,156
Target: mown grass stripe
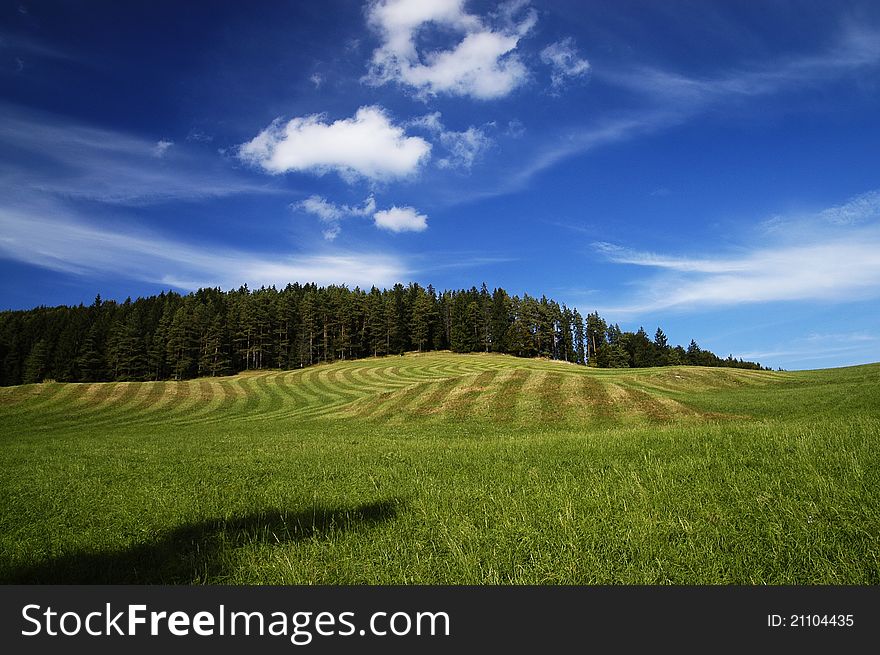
435,399
169,395
273,402
63,396
343,384
395,405
597,398
28,396
646,405
528,405
294,385
118,407
249,394
271,399
380,382
212,397
465,397
355,380
503,402
551,398
91,403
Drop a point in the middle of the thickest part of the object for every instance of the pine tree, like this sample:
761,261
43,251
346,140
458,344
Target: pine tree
501,320
210,332
91,361
182,347
157,348
596,330
36,364
580,352
214,359
422,317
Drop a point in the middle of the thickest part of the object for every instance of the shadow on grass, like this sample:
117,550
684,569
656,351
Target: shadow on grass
201,552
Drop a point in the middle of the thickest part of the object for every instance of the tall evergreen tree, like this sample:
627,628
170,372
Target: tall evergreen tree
91,360
36,364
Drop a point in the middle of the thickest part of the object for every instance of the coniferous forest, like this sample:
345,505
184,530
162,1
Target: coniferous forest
211,332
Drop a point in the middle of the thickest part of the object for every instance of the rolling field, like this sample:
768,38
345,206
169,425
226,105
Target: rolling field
443,468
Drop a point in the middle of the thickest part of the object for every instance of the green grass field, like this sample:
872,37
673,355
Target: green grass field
442,468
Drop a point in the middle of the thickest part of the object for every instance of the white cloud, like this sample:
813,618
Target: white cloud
854,212
857,210
430,122
368,145
395,219
564,61
857,47
482,65
464,148
199,136
316,79
515,129
813,349
331,231
331,214
400,219
63,158
820,262
673,99
162,147
53,238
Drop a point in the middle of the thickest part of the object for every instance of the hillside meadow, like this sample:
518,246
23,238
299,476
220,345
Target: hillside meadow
446,469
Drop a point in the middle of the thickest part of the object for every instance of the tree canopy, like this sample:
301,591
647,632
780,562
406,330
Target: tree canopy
211,332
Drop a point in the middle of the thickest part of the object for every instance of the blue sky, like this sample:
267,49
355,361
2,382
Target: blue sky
708,167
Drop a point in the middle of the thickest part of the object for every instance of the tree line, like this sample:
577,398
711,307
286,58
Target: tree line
211,333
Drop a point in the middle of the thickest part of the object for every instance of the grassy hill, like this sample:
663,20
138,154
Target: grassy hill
443,468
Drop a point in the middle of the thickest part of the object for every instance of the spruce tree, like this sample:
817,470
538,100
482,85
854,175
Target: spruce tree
36,364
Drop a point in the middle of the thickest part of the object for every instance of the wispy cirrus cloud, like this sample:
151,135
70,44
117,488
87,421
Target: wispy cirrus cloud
53,237
47,154
857,48
21,46
824,261
862,208
816,348
666,99
368,145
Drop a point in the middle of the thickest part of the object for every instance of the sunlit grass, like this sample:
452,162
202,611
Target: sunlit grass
444,468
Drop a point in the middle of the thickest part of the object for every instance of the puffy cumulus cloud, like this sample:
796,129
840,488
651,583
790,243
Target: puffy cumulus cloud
401,219
483,64
464,147
368,145
331,214
395,219
564,62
